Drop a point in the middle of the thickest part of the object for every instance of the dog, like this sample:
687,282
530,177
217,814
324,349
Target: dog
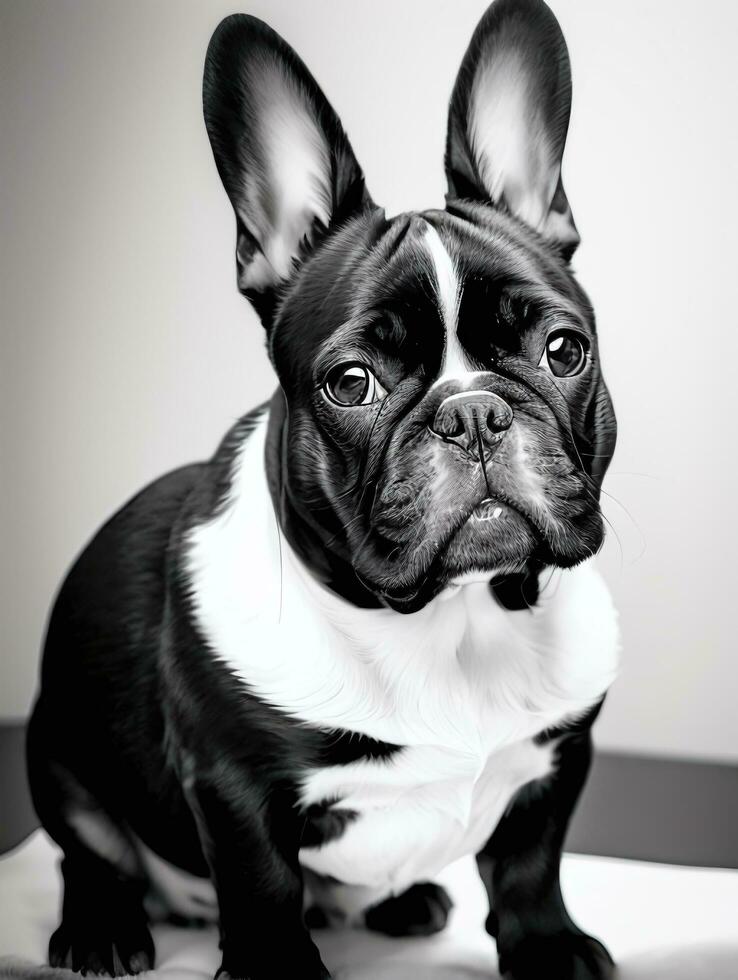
286,687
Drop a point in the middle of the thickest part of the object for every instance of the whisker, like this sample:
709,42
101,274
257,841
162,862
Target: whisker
609,523
281,571
480,447
632,520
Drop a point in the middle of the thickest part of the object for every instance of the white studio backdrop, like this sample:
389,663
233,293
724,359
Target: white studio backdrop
126,349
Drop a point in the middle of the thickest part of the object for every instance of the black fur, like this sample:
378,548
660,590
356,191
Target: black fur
141,730
421,910
520,870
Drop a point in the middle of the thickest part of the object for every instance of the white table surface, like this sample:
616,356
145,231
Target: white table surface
660,922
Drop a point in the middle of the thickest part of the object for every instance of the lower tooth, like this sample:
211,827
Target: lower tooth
484,514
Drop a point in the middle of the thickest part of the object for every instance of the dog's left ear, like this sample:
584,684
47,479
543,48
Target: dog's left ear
509,117
281,152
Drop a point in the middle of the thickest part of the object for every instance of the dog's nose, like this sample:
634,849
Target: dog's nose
476,421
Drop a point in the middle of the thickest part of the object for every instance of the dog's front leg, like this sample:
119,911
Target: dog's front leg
250,838
520,868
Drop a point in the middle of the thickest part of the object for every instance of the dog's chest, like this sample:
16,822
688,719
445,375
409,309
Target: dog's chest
461,687
460,697
414,814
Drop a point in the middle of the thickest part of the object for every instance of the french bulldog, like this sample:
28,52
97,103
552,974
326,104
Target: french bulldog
286,687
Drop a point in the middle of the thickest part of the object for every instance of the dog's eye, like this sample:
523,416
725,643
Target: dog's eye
565,354
352,384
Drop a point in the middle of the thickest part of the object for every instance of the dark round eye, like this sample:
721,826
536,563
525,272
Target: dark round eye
352,384
565,354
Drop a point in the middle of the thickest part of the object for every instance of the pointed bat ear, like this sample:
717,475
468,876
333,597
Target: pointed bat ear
509,116
283,157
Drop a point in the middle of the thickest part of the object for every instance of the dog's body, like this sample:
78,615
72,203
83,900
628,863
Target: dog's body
322,666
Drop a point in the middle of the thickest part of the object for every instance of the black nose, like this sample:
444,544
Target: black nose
469,418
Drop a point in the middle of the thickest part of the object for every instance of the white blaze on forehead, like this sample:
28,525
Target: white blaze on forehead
448,291
447,280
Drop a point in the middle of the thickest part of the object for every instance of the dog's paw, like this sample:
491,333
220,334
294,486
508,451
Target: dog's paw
567,955
290,961
420,911
90,949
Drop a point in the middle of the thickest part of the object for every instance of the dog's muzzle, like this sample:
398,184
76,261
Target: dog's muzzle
475,421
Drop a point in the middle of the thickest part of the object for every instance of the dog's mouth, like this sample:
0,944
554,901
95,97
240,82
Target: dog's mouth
499,509
482,529
487,510
495,536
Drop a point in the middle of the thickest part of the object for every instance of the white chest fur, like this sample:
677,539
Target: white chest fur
463,684
418,813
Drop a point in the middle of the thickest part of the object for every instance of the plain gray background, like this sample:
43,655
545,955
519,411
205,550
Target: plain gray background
126,349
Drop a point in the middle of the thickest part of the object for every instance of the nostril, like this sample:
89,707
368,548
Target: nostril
448,424
453,427
499,418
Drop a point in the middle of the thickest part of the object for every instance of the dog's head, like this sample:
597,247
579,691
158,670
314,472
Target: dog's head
444,408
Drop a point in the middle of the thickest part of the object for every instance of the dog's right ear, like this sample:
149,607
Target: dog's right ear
281,153
508,119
